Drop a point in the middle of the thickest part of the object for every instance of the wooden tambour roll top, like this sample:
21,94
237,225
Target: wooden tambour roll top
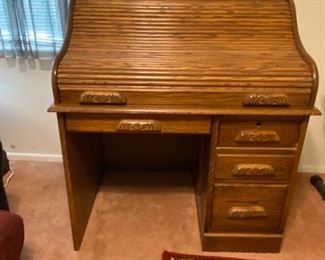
183,53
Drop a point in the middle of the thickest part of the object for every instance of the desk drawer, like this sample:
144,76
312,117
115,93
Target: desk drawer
259,133
247,208
276,97
138,123
254,166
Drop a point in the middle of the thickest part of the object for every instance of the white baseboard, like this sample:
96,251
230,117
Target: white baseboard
35,157
58,158
312,169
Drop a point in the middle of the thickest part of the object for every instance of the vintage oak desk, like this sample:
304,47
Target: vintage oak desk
221,88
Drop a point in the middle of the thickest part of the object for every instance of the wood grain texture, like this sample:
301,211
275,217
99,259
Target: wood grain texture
247,197
139,125
241,166
184,96
221,88
267,100
240,194
257,136
202,181
83,166
303,53
107,98
151,152
253,170
259,133
185,110
303,129
184,44
246,212
135,123
242,242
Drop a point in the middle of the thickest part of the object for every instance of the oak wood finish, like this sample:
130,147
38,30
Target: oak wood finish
84,168
267,100
257,136
138,123
246,212
186,110
253,170
151,152
256,166
202,188
242,242
223,89
260,206
189,96
259,133
107,98
220,176
303,129
124,30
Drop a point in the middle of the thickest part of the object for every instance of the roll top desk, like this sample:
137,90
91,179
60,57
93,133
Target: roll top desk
223,89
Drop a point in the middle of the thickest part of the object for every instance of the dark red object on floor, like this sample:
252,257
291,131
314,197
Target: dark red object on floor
11,235
11,225
177,256
4,168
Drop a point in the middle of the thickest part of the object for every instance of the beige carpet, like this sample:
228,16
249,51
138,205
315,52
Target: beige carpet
137,216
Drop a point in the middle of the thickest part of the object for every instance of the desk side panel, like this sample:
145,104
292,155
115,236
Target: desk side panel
84,168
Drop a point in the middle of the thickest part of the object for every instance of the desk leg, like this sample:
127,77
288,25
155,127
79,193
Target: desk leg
202,183
84,168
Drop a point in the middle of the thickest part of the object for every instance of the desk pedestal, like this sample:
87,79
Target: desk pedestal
243,168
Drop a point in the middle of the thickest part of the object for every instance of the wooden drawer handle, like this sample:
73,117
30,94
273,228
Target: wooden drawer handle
102,98
266,100
257,136
242,170
138,126
246,212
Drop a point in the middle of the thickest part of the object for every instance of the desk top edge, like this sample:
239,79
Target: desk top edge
185,110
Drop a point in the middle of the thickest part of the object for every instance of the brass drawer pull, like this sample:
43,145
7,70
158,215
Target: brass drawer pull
252,170
266,100
138,126
97,98
257,136
246,212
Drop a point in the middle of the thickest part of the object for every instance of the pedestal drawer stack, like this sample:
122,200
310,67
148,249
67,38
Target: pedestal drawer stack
251,165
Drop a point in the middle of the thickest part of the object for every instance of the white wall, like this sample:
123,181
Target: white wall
311,22
25,94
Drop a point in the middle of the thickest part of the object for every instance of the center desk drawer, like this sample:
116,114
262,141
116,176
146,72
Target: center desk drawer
247,208
259,133
216,96
177,124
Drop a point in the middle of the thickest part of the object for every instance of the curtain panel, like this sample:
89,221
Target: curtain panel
32,28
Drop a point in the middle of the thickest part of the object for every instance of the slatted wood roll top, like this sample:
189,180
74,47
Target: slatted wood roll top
184,53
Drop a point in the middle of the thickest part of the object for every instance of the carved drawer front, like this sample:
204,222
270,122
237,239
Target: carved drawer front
259,133
137,123
253,166
247,208
226,97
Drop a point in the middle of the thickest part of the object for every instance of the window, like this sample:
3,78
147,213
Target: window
32,28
